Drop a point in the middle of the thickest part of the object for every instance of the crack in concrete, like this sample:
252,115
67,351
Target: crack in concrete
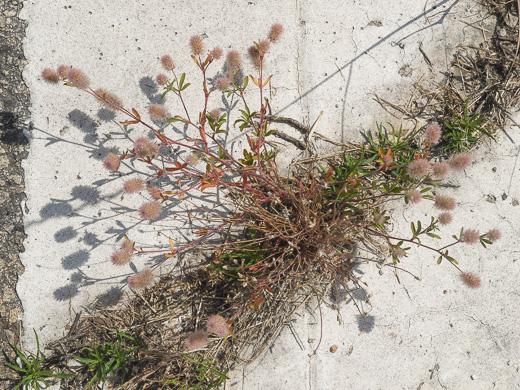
298,57
490,331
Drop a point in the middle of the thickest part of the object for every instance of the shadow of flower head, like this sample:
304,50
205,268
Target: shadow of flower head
56,209
66,292
65,234
366,323
75,260
86,193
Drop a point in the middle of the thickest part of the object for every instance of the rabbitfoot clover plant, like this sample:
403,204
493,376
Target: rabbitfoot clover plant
287,228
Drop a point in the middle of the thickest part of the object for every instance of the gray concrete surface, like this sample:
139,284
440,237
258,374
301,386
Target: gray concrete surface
333,58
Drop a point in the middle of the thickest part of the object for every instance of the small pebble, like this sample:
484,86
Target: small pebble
334,348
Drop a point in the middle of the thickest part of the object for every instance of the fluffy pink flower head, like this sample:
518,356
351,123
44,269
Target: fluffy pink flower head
196,340
387,160
121,257
167,62
196,45
263,46
216,53
77,78
50,76
254,56
413,196
150,210
418,169
433,133
155,193
445,202
218,325
222,84
233,60
108,99
470,279
144,147
63,70
112,162
141,280
276,32
379,219
215,113
192,160
493,235
158,112
470,236
161,79
132,186
460,161
398,252
445,218
127,245
440,170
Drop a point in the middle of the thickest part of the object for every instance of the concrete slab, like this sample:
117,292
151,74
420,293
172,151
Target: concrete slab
332,58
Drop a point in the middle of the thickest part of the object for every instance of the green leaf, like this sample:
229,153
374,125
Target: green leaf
439,260
62,376
451,259
433,235
14,367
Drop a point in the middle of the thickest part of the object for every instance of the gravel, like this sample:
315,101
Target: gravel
14,116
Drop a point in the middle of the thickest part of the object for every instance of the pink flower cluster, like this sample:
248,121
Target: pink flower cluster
108,99
143,147
470,236
141,280
419,169
445,202
158,112
216,324
413,196
470,279
112,162
73,76
150,210
132,186
197,45
124,254
433,134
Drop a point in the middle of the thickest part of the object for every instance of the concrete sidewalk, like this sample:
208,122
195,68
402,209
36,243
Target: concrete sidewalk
333,58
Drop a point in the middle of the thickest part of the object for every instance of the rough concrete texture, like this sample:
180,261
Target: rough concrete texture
333,58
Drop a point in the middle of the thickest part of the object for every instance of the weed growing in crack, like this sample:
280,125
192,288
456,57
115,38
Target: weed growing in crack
462,133
107,360
32,370
297,230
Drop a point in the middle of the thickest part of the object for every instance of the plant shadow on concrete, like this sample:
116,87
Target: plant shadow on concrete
290,239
